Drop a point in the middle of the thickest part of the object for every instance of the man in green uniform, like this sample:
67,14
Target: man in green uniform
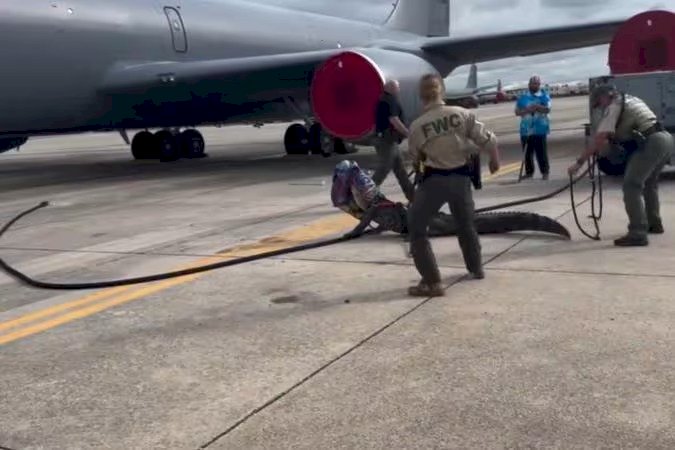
630,122
440,140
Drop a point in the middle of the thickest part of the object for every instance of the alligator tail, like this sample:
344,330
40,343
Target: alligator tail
501,222
518,221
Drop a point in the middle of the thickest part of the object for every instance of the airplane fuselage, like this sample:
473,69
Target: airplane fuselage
56,54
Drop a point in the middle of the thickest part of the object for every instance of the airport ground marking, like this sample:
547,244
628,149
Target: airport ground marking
108,298
53,310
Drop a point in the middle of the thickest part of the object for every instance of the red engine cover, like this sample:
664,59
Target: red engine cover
344,94
644,43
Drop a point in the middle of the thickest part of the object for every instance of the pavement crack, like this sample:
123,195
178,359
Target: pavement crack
322,368
5,448
344,354
579,272
497,269
154,251
520,241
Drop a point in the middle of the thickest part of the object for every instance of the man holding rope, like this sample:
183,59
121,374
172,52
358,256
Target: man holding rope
628,121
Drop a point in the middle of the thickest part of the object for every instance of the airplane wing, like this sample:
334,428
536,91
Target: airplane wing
467,50
262,83
272,73
278,72
261,75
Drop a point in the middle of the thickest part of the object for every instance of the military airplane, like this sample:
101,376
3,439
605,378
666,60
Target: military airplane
71,66
465,97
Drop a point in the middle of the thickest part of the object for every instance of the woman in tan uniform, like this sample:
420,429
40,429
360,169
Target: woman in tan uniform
439,142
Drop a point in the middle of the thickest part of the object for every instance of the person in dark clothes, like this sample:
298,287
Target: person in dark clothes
390,132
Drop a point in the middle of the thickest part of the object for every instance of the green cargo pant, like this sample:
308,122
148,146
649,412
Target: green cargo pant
389,159
641,179
431,195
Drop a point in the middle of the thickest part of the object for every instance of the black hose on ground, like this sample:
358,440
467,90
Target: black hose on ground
27,280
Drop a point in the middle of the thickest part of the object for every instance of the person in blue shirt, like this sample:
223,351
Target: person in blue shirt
533,108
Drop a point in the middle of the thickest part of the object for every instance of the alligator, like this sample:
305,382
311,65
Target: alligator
355,193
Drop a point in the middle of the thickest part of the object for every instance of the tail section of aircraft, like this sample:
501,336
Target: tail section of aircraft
422,17
472,82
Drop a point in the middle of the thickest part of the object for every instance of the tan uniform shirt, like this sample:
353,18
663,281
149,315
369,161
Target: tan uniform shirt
637,115
442,135
610,117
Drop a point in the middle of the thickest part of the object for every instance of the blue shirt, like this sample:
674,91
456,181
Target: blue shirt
536,123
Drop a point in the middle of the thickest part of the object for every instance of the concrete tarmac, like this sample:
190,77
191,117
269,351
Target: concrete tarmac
564,344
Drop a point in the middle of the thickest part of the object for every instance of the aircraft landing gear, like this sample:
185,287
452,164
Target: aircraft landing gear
296,140
168,145
192,144
143,145
300,140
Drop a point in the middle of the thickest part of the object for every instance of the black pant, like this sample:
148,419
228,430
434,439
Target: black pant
535,144
389,160
431,195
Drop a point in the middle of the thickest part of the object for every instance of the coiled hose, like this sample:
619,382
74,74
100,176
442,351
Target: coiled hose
595,189
27,280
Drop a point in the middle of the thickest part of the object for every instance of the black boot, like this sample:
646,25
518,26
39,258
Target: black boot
477,275
631,241
657,228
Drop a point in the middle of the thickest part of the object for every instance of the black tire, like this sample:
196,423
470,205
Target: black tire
192,144
339,147
315,139
296,140
144,145
168,145
613,169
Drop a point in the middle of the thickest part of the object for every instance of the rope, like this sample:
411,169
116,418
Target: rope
27,280
596,188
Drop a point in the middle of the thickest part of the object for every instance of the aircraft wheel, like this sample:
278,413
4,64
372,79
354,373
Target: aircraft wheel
327,145
339,147
192,144
315,134
169,146
144,145
296,140
342,148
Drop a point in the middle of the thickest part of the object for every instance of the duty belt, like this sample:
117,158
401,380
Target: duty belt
640,137
657,127
461,170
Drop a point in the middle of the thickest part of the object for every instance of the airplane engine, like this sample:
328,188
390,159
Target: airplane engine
346,88
9,143
644,43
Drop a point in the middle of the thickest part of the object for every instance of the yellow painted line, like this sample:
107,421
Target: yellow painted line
53,310
101,300
92,309
319,228
509,168
109,298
